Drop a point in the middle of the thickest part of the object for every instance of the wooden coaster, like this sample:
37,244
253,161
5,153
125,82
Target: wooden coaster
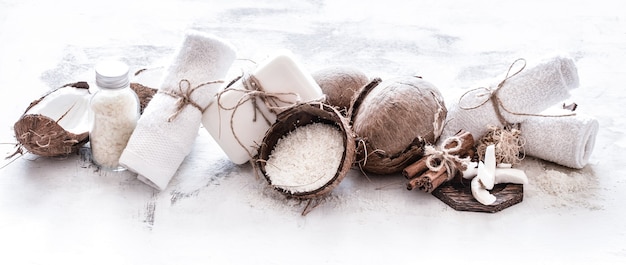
459,196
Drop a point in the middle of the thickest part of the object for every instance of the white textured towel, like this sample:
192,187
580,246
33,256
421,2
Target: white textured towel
567,141
530,91
161,141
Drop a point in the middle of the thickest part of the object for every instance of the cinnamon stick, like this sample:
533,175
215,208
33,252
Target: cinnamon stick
421,177
431,180
412,184
467,143
415,169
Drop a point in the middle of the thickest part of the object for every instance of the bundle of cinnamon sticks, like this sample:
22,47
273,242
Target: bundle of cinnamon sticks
419,174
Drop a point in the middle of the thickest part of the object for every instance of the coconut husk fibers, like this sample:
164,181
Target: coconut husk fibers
43,136
301,115
393,121
340,84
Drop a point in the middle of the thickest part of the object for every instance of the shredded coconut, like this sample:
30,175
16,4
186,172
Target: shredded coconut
306,159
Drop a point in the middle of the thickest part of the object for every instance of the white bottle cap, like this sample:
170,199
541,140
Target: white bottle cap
112,74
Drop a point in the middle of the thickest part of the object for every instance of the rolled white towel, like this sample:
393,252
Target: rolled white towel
567,141
530,91
169,125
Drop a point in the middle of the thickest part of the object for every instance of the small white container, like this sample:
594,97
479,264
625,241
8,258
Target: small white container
114,111
233,121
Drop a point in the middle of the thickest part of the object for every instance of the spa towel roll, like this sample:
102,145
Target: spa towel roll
530,91
567,141
169,125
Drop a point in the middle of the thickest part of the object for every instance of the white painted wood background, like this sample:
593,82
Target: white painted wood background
64,211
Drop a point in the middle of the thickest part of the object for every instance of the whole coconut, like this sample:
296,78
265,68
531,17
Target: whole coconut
340,84
395,118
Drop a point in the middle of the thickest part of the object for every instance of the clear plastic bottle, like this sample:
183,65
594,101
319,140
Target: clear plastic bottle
114,114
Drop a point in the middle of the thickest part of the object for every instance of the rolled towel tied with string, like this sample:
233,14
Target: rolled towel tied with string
244,111
522,93
169,125
567,141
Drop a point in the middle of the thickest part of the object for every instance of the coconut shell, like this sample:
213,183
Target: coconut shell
144,83
340,84
144,94
43,136
301,115
394,119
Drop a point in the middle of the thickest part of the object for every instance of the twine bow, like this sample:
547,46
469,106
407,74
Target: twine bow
183,96
253,91
491,94
436,158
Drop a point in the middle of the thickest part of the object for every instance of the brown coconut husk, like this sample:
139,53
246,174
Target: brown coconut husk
394,120
340,84
301,115
43,136
142,83
144,93
40,135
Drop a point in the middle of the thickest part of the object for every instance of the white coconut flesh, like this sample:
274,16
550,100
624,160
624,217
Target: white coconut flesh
306,159
68,106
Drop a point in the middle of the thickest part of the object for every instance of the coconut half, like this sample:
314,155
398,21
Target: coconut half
393,120
56,124
289,121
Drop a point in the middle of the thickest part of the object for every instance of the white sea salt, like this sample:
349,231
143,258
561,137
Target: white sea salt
114,114
306,159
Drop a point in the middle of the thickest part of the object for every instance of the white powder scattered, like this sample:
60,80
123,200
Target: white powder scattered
306,159
115,117
563,188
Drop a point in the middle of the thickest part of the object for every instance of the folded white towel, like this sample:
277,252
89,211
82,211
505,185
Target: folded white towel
530,91
567,141
169,125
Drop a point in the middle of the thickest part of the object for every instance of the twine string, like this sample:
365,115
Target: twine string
491,94
183,96
438,158
253,92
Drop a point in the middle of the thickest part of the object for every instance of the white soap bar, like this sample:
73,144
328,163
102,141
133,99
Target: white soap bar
279,74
